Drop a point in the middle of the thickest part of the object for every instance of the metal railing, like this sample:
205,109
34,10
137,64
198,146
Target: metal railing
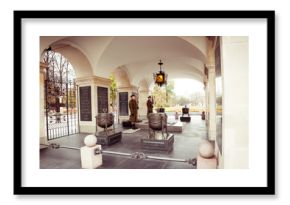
134,155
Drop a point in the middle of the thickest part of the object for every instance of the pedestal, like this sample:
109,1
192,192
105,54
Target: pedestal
110,138
88,158
171,127
185,119
158,143
126,124
206,163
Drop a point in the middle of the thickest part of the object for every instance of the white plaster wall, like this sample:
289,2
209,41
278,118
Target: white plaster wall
235,68
79,61
198,41
46,41
42,127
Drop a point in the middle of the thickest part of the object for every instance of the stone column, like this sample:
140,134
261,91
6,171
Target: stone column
42,102
212,103
143,96
235,124
206,100
93,82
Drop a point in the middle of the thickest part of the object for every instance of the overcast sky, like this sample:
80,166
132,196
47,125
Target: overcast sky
185,87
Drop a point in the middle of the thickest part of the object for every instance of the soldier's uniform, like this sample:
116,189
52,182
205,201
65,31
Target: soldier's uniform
133,106
149,106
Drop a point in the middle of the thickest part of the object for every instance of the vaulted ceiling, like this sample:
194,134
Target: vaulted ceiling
137,56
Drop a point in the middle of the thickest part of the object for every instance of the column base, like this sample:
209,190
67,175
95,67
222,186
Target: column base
203,163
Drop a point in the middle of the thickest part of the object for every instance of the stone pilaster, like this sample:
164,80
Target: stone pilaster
42,102
94,82
212,102
206,100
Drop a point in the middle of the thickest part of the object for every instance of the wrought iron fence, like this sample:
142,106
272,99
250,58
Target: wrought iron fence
60,97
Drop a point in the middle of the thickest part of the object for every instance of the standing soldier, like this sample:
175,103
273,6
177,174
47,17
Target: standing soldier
149,105
133,106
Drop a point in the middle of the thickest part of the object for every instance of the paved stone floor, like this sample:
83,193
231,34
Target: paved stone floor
185,147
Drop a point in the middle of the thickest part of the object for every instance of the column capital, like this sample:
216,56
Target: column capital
210,67
93,80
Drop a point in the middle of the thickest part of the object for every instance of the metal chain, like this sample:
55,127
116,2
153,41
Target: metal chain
134,155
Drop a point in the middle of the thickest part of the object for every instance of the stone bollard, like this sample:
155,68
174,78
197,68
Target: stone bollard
89,159
206,158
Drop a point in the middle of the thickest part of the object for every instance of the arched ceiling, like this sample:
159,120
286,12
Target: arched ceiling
183,57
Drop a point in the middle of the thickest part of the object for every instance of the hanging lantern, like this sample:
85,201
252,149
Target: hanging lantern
160,78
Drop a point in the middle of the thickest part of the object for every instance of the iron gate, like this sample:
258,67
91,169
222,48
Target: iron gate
61,97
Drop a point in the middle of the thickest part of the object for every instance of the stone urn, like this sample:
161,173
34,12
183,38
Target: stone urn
104,120
185,111
157,122
162,110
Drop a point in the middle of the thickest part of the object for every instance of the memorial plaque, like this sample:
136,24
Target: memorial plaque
102,99
85,103
123,103
158,144
110,138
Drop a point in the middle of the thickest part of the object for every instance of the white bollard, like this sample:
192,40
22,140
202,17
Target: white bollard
206,158
89,159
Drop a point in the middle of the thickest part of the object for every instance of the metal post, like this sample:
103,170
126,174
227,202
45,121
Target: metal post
134,155
46,103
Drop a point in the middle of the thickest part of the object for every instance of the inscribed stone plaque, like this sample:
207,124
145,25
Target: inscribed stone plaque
123,103
85,103
102,99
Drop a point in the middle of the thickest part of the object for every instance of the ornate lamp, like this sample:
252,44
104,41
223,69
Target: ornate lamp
160,78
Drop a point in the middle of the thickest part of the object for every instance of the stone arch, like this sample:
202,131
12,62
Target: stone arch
143,85
131,50
121,77
75,55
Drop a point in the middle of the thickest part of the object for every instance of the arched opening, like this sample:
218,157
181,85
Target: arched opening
61,115
180,92
190,65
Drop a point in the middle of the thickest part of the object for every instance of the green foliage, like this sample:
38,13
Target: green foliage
170,95
113,90
159,96
164,96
